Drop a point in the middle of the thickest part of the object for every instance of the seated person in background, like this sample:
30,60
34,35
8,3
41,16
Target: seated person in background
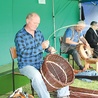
73,37
30,45
92,37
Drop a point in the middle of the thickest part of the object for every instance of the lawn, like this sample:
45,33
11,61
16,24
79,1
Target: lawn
93,85
77,83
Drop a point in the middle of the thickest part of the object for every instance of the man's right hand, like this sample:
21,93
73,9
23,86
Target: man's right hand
45,44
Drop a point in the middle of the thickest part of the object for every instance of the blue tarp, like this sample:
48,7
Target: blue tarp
87,75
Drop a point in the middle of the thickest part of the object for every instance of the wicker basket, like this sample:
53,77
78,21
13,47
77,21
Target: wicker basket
56,72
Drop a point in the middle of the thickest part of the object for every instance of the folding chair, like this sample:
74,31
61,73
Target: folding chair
66,55
14,56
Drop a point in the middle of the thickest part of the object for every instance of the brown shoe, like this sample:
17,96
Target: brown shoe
90,67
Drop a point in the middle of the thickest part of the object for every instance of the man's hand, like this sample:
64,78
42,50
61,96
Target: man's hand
52,50
45,44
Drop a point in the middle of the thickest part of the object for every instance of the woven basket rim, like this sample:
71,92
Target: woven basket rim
61,84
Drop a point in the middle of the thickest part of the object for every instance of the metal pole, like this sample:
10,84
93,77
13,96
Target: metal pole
80,9
54,24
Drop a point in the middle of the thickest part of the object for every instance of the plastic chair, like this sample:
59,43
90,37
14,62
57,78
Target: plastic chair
66,55
14,56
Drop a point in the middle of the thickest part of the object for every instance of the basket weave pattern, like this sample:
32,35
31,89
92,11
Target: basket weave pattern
56,72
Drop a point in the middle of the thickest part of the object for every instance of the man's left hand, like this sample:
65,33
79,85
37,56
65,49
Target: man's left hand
52,50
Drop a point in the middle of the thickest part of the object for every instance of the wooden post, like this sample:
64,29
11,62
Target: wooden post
97,66
86,64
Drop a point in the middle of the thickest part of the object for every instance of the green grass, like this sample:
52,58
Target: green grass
77,83
27,89
83,84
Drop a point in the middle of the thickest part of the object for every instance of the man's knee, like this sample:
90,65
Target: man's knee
74,52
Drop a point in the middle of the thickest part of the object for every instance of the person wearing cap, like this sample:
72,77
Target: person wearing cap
73,36
92,37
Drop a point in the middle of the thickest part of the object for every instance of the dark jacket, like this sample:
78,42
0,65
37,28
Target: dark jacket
92,38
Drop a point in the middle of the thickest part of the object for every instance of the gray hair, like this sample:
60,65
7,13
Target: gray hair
31,15
81,22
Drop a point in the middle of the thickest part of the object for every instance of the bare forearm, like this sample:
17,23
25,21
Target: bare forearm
68,41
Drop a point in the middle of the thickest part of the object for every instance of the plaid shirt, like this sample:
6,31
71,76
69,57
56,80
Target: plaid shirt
29,49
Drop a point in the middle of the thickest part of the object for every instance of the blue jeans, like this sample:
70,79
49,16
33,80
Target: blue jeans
37,82
63,92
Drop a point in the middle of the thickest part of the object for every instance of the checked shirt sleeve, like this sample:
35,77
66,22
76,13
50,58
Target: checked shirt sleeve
27,46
